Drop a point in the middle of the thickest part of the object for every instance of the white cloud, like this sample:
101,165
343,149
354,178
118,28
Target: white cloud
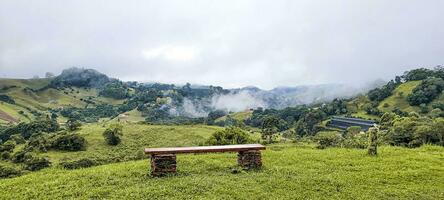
229,43
236,102
172,53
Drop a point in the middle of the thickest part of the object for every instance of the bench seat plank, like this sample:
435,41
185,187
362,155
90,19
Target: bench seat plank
205,149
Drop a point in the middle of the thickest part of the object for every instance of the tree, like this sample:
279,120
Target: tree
213,115
115,89
372,141
113,134
418,74
426,91
69,142
307,124
269,128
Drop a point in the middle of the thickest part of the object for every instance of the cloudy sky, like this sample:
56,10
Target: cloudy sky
228,43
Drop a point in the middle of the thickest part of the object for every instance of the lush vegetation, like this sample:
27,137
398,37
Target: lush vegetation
83,119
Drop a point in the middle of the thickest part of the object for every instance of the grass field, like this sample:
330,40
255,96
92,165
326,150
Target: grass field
398,101
237,116
135,138
290,171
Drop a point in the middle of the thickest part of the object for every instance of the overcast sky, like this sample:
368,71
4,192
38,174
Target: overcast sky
228,43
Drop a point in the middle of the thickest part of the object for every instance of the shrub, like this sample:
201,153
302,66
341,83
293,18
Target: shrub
8,172
18,139
73,124
38,143
358,141
229,135
33,163
19,157
8,146
69,142
7,99
112,134
353,130
372,141
82,163
328,139
5,155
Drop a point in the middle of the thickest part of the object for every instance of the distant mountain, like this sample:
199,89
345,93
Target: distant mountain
80,77
78,88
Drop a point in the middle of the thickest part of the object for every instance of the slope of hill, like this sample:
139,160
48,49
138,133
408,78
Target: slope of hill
398,99
135,138
240,116
290,172
33,96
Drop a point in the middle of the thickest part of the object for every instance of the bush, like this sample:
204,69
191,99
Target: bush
358,141
112,134
38,143
229,135
5,155
82,163
414,131
7,99
8,146
69,142
426,91
328,139
8,172
18,139
33,163
19,157
73,124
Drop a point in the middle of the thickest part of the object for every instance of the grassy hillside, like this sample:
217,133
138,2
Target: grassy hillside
290,171
237,116
29,96
399,98
135,138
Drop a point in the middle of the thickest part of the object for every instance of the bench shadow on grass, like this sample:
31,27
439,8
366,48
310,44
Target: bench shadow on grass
214,170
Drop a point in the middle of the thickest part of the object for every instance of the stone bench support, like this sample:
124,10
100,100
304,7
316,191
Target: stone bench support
163,160
249,159
163,164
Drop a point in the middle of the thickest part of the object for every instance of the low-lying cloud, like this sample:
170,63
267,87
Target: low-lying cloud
235,102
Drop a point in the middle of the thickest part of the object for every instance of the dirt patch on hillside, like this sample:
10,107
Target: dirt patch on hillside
5,116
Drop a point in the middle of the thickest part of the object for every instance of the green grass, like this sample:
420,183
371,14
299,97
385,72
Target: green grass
240,116
130,116
397,101
13,110
135,138
290,171
31,83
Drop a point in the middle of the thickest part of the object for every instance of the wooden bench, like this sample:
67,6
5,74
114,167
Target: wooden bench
163,160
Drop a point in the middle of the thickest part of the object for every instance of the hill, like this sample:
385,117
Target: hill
290,171
135,137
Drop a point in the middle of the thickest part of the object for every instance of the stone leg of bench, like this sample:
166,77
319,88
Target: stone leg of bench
249,159
163,164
